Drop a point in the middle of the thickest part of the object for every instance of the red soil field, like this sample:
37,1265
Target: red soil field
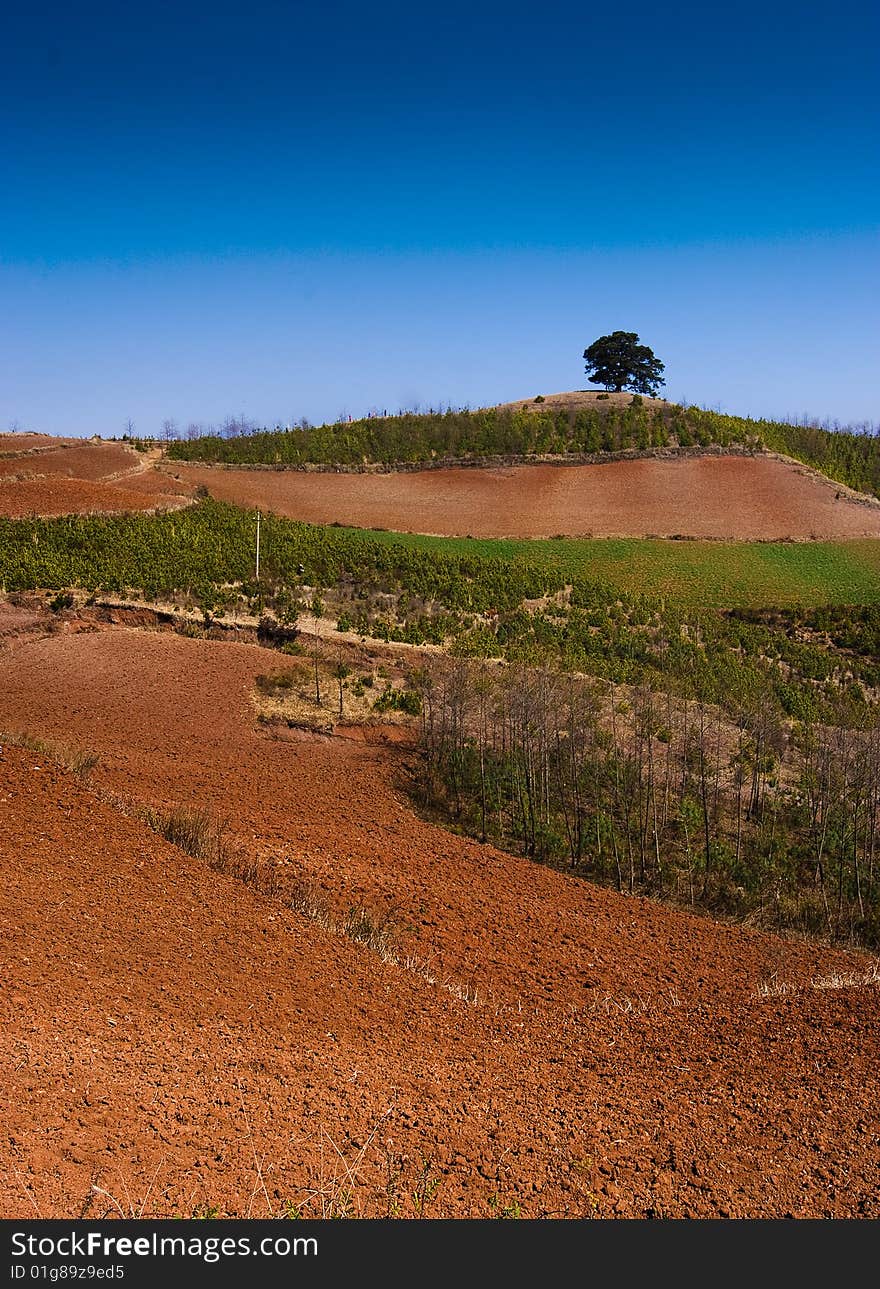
156,483
78,461
83,478
732,498
27,442
60,496
160,1021
736,498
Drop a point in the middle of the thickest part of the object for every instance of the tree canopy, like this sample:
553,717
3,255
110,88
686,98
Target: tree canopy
619,362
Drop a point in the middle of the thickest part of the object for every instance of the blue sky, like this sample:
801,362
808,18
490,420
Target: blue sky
288,210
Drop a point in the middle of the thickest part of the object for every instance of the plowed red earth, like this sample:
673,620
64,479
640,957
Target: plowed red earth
737,498
18,443
50,497
78,461
732,498
81,478
176,1039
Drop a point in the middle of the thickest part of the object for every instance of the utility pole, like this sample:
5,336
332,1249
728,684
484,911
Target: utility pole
257,570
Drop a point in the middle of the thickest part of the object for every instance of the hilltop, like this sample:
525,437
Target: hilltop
599,400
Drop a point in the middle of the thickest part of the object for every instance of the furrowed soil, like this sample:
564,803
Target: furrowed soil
38,477
528,1045
16,444
733,498
75,461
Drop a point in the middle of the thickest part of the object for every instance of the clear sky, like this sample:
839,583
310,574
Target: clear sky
294,209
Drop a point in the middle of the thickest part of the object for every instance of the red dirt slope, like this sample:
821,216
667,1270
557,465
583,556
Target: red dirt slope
621,1057
41,478
75,461
735,498
15,444
50,497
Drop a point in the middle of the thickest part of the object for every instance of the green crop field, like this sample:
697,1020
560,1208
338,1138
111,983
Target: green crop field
693,574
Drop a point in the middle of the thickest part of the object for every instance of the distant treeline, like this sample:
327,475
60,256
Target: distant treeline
849,456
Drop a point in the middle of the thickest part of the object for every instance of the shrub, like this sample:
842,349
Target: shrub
277,681
398,700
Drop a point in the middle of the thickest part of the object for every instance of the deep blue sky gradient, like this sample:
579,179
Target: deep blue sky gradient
287,210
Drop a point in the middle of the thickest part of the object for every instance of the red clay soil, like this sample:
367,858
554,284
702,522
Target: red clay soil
736,498
60,496
157,483
733,498
82,478
78,461
18,443
578,1053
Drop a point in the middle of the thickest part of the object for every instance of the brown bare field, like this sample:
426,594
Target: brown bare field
26,497
532,1044
41,478
28,442
78,461
734,498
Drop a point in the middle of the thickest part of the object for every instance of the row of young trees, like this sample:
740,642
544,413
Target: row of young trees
744,813
411,438
213,544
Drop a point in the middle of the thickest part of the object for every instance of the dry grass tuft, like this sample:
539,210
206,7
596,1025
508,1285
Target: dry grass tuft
199,834
76,761
848,979
377,931
772,988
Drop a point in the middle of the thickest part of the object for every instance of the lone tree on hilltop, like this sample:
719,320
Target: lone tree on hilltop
619,362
